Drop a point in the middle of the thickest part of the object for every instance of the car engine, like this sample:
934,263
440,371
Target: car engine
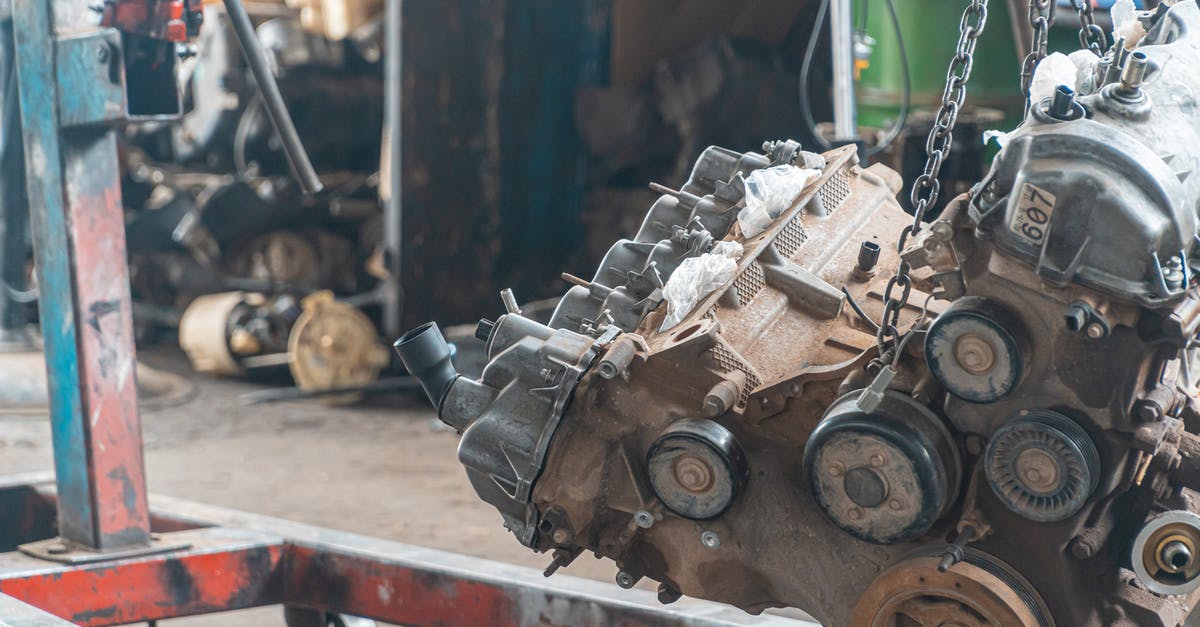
716,409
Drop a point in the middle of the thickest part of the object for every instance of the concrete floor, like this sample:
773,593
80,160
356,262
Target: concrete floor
388,469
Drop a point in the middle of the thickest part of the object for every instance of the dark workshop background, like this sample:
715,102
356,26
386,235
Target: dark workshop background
532,128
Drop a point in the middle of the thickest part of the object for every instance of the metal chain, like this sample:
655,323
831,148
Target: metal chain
1041,18
1091,36
926,188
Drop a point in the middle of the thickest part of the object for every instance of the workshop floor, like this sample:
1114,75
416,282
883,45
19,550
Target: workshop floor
387,469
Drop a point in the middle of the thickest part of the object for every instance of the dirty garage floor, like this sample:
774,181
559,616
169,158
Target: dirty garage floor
387,469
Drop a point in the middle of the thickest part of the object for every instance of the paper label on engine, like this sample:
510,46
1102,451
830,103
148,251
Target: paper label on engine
1031,220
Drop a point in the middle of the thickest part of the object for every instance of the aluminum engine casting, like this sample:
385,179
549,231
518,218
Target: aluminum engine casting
1026,455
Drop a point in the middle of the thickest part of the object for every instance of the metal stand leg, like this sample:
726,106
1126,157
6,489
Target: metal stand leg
393,172
86,317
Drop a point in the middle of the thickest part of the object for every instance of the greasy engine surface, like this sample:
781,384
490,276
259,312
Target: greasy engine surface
1024,454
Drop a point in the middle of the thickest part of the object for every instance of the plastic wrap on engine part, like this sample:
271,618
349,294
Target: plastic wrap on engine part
697,277
1052,71
769,192
1126,24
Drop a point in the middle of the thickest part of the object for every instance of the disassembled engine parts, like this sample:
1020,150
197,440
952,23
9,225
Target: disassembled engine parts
324,343
718,410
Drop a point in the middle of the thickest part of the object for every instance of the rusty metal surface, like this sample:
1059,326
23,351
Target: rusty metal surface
79,245
237,560
992,466
223,570
792,363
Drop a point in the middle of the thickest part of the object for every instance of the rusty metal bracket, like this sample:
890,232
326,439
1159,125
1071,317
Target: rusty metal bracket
91,69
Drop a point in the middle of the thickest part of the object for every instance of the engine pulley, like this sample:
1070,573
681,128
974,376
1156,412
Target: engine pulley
1042,465
884,476
975,350
1166,553
696,468
979,590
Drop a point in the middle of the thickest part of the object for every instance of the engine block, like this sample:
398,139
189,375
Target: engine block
1025,455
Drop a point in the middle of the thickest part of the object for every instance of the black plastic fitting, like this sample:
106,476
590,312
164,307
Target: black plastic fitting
427,356
868,256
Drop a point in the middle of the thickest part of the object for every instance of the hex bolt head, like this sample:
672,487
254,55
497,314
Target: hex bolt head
854,513
1147,410
626,580
878,460
58,548
710,539
1096,331
836,469
643,519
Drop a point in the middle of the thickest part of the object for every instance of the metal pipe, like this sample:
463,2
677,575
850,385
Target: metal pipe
393,242
841,38
14,206
277,112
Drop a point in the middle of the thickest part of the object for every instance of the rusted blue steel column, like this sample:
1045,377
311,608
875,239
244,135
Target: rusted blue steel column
86,316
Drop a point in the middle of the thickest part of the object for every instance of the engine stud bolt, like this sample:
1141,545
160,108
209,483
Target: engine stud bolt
836,469
854,513
878,460
896,504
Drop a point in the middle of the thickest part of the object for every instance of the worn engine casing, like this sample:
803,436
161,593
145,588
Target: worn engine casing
1024,454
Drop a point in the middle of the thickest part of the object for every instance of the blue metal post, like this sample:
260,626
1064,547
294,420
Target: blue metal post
86,316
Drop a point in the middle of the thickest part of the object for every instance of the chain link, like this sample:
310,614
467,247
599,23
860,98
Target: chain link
1041,18
926,188
1091,36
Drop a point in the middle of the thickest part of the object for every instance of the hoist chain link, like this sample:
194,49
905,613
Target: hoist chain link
926,188
1091,36
1041,18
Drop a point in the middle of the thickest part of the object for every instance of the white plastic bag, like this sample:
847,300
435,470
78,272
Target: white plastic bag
696,278
1054,70
769,192
1126,24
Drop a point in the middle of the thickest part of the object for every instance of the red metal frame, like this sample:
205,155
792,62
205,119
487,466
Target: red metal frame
236,560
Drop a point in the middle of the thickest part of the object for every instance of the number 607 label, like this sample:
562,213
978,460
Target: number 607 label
1031,220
